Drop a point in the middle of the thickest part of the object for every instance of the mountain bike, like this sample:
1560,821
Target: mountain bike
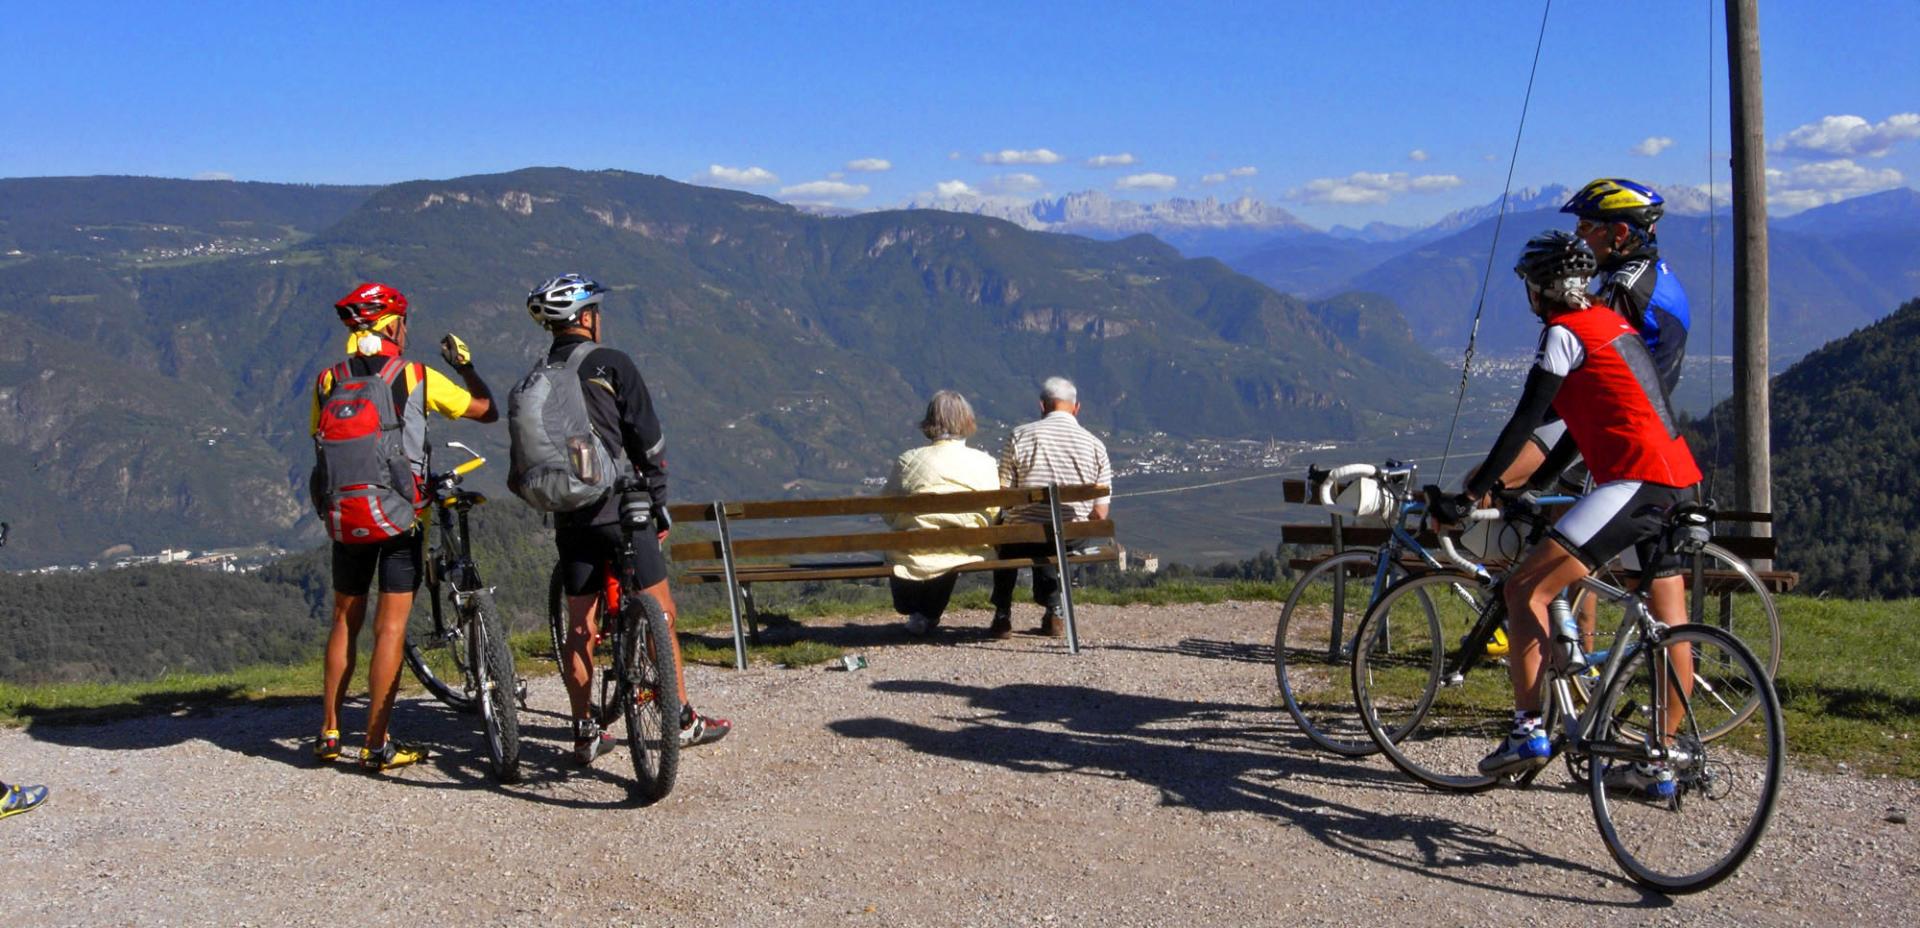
1433,705
458,648
639,682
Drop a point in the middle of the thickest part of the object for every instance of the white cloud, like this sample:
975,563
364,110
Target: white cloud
1848,136
1149,181
213,175
948,189
1371,187
1418,154
870,165
723,176
1014,183
1013,156
1220,177
1652,145
1112,161
1821,182
954,156
825,191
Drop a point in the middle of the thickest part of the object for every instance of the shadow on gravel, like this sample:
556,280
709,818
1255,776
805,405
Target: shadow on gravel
279,730
1205,648
1205,756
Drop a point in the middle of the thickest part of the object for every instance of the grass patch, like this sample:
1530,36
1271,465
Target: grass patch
1850,683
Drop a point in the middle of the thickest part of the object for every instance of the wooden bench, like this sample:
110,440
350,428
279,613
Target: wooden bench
1339,536
742,562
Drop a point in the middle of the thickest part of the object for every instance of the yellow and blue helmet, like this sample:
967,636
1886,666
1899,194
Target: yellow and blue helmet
1616,199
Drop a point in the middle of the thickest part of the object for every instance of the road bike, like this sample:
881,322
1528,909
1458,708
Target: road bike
1313,640
1713,740
458,648
1315,636
639,682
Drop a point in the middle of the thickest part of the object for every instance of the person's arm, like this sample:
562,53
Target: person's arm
1105,471
1535,399
641,435
896,520
1557,461
1559,354
480,406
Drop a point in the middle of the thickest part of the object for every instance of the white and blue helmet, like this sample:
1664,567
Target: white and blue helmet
561,300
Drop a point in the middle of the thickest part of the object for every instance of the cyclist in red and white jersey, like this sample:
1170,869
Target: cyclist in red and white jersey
1594,369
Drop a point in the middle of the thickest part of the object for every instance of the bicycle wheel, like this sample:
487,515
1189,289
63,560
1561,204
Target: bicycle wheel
652,704
1313,649
1722,794
1434,728
497,685
557,617
440,659
1733,600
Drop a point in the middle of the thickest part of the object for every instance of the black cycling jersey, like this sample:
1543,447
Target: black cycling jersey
624,418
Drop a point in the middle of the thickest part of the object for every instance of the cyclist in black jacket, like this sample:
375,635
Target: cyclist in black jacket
589,539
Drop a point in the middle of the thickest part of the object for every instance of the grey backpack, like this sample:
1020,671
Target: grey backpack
559,463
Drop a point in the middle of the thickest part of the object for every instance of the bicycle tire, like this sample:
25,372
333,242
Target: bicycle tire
1434,730
440,662
650,696
497,686
1723,793
1747,612
557,616
1310,667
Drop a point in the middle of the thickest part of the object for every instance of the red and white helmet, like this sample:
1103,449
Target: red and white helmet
368,304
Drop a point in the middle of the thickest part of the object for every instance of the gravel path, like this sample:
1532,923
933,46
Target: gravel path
1149,781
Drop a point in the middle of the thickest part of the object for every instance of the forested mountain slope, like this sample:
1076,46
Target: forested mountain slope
166,403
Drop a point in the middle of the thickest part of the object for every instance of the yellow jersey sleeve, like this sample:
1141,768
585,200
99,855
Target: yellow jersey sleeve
313,412
444,396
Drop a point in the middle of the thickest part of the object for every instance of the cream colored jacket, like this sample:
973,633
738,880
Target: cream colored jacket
945,466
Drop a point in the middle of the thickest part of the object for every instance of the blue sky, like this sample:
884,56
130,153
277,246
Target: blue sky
1339,112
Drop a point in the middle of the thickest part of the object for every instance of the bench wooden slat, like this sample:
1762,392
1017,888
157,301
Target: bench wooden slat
1017,533
971,501
770,573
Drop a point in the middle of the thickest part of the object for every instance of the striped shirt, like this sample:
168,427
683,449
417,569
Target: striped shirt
1053,449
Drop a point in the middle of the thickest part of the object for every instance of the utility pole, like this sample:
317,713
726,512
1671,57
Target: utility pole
1752,416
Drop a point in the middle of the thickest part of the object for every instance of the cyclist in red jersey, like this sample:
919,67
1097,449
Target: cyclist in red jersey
1594,369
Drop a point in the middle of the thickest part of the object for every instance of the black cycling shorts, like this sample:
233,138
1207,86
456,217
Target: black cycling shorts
586,552
1622,519
397,560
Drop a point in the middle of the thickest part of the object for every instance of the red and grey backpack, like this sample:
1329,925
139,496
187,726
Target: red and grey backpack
362,485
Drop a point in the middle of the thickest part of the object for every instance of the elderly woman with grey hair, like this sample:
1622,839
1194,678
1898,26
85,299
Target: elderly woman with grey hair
923,580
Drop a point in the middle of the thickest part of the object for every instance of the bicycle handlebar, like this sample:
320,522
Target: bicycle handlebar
1334,477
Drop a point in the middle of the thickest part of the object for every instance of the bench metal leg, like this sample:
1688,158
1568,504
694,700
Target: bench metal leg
733,585
1066,570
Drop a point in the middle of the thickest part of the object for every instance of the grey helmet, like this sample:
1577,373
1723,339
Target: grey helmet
561,300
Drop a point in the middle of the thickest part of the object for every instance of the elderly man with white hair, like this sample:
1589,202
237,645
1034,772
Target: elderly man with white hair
1054,449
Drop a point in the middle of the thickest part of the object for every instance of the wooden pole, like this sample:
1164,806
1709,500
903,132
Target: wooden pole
1753,459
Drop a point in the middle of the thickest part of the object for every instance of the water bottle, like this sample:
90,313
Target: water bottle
1567,632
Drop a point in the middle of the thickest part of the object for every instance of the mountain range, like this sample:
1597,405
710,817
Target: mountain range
153,397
